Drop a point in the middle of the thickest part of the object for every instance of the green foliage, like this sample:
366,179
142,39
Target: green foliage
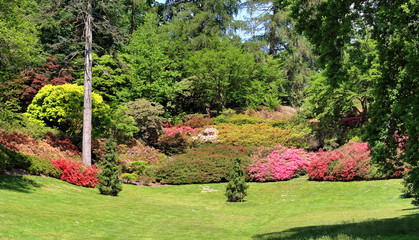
111,78
19,42
262,134
62,107
42,166
205,164
332,25
147,116
173,144
122,126
154,73
221,75
240,119
109,176
203,19
282,41
35,165
236,187
129,176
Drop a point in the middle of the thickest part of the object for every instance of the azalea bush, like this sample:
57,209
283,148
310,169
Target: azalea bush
176,140
76,173
281,163
349,162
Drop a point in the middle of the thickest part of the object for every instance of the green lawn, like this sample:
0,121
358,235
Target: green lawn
45,208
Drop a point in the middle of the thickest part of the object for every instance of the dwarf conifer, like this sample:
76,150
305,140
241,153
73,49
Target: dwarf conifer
109,177
236,188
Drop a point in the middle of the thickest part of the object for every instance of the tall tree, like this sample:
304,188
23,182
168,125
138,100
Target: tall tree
87,111
19,49
203,18
274,26
393,132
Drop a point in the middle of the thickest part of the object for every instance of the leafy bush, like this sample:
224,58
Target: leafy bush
47,149
236,187
280,114
62,107
35,165
349,162
41,166
240,119
281,163
135,151
173,144
205,164
129,177
77,173
262,134
109,183
12,159
199,122
147,116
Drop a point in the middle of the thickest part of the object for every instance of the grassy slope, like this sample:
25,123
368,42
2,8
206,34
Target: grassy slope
44,208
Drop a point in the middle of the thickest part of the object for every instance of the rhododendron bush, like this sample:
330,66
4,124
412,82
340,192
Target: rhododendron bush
281,163
175,140
77,173
349,162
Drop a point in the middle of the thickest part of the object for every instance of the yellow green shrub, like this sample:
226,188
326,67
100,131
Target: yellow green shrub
261,134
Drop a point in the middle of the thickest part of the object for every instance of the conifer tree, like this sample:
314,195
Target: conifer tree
236,188
108,178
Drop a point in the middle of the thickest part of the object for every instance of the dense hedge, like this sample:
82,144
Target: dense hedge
205,164
261,134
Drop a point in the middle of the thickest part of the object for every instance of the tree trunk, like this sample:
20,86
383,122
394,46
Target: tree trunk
87,111
132,16
272,38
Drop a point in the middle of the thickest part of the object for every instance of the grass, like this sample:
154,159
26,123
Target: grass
44,208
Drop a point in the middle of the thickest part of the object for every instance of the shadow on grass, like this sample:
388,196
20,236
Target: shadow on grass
19,183
406,227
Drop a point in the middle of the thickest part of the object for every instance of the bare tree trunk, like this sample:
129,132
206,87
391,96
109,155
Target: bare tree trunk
132,16
87,111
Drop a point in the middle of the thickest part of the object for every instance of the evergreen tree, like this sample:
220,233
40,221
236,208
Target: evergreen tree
236,188
108,178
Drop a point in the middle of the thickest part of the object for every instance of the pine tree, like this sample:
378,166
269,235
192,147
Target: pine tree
236,188
108,178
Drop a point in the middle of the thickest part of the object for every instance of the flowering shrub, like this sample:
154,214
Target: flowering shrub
280,164
354,121
209,134
183,130
177,139
63,145
349,162
77,173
